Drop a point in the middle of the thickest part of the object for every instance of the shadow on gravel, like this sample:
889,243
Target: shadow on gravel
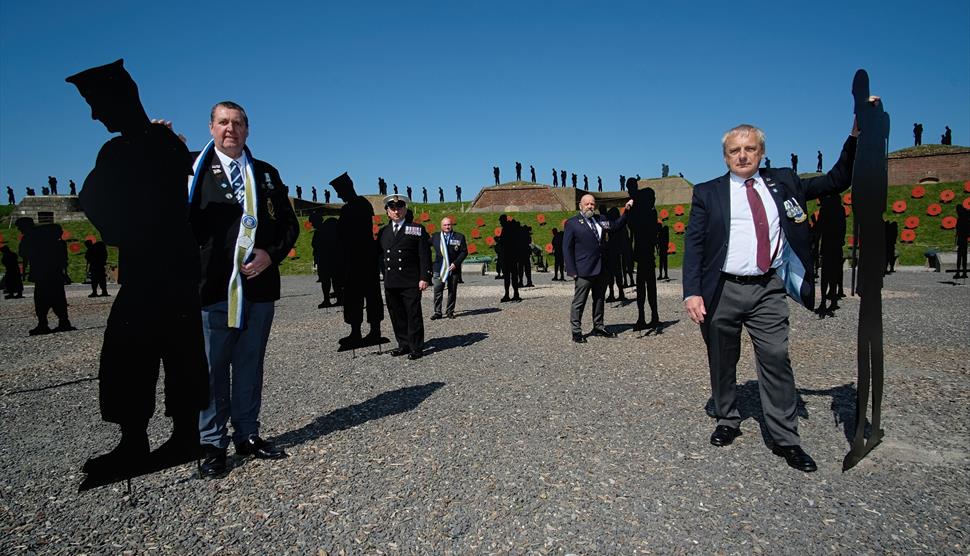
483,311
51,387
460,340
843,407
659,329
378,407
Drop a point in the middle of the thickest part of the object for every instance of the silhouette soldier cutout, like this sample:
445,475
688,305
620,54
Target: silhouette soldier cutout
599,184
794,162
11,200
42,250
395,190
767,162
508,245
313,193
947,138
518,171
532,173
574,180
614,257
559,264
643,223
495,173
831,224
869,192
424,195
97,259
409,192
156,316
381,186
892,234
585,183
562,178
962,232
13,282
555,178
664,170
327,256
663,238
441,195
622,182
326,196
917,134
457,192
525,266
52,183
72,187
31,192
45,191
361,268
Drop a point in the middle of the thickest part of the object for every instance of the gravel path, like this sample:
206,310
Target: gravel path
508,438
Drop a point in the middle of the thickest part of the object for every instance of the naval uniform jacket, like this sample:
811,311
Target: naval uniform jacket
215,222
407,255
457,250
708,230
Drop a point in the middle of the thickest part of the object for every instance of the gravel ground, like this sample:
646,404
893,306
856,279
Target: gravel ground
508,438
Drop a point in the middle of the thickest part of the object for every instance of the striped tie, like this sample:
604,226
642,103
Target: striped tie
235,175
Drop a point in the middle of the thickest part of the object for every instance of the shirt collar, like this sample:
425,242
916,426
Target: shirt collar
739,181
225,159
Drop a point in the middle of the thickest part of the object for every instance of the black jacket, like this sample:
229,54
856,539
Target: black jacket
457,250
407,255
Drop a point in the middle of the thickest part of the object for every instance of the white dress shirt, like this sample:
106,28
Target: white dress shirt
742,254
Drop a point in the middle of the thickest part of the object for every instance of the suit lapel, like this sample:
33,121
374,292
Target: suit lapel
723,191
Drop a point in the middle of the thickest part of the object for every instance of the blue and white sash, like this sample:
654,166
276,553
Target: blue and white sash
445,264
245,238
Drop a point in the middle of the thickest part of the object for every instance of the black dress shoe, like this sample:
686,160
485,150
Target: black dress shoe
435,316
324,305
40,330
602,332
579,338
259,448
213,462
399,351
415,355
640,325
450,315
724,435
795,457
505,299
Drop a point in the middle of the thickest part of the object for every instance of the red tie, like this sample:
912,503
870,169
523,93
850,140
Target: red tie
760,225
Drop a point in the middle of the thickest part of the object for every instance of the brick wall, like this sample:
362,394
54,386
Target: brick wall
944,167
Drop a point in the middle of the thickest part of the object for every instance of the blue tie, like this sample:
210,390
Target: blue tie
236,179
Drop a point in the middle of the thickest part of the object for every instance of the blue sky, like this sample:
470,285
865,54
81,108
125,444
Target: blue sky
436,93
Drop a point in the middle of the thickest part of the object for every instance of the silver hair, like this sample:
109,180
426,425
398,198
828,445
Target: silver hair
743,130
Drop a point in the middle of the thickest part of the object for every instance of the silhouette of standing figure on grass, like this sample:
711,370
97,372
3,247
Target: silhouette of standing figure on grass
327,256
13,282
559,264
457,192
532,173
818,167
917,134
52,183
72,187
43,252
892,234
562,178
962,232
441,195
794,162
643,222
156,316
831,219
663,239
947,138
11,200
518,171
495,172
555,178
97,259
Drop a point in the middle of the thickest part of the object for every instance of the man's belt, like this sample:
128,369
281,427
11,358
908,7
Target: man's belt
761,279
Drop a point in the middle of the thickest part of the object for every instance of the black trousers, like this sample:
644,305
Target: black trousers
404,307
361,287
646,283
49,295
99,278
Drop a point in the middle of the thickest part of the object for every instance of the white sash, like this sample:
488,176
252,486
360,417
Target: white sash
445,264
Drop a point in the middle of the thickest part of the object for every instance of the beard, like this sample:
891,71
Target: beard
587,214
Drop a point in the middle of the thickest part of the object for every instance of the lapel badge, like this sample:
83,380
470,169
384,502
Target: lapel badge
268,180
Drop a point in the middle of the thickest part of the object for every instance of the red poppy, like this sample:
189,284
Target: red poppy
432,228
966,203
307,225
679,210
664,214
918,192
74,247
375,228
425,216
671,248
848,210
911,222
851,240
541,219
948,223
66,235
89,237
377,219
966,186
907,236
934,209
947,195
479,221
847,199
476,233
679,227
497,232
899,207
548,248
292,253
490,241
472,249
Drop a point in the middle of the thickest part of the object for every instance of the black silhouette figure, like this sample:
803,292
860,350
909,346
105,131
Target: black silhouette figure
555,178
511,244
664,170
818,167
962,232
892,234
643,223
45,191
395,190
31,192
585,183
360,266
97,259
599,184
831,224
947,138
424,195
313,193
574,180
767,162
458,192
518,171
495,172
562,178
42,250
525,260
663,239
156,316
11,200
381,186
532,173
72,187
409,192
559,264
917,134
52,183
326,196
622,182
870,182
328,257
13,282
794,162
441,195
299,192
614,257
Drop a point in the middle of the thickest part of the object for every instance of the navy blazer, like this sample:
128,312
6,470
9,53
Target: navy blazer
706,241
407,255
583,251
457,250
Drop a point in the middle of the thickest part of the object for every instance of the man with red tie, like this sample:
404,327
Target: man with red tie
747,244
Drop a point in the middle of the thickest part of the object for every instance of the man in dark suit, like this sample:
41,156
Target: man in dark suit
747,243
407,262
584,244
450,249
245,227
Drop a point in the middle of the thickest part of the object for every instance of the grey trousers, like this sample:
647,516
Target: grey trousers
584,285
439,288
763,311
